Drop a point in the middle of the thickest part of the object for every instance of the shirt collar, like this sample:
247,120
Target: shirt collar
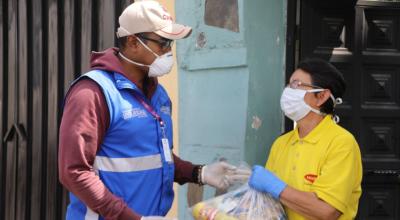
317,133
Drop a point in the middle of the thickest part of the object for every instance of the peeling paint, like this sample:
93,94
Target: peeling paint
201,40
257,122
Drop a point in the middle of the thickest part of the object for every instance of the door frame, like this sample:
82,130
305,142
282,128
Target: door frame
292,47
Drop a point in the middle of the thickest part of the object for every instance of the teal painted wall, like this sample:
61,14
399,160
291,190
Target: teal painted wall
223,85
265,23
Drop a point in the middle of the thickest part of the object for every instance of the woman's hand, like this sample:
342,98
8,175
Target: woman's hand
265,181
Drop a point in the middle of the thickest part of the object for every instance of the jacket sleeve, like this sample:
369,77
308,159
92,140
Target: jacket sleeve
83,126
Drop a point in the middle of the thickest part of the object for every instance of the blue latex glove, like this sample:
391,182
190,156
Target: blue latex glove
265,181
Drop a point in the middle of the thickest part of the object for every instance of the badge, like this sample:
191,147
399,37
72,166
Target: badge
166,149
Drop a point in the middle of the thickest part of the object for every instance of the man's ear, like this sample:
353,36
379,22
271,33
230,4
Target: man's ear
132,42
323,96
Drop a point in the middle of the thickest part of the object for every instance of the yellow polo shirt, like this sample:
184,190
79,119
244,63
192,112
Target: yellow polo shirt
327,162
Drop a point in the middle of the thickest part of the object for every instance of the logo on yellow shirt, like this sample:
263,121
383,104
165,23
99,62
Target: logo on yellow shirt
310,177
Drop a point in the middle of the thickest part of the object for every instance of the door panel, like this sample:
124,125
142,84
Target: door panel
21,121
44,45
10,150
3,99
362,39
379,68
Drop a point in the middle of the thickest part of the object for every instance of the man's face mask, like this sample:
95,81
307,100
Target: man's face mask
161,65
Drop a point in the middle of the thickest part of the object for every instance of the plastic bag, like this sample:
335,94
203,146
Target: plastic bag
243,203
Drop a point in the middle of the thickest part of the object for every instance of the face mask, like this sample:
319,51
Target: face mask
161,65
293,104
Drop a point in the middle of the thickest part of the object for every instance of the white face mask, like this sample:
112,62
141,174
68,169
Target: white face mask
293,104
161,65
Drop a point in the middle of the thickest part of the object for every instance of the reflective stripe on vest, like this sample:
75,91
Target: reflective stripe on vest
131,164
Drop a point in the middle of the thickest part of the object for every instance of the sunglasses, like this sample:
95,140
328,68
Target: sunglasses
163,42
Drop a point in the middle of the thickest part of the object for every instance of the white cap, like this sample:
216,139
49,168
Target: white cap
150,16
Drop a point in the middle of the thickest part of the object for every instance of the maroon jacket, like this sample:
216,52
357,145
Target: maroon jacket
84,124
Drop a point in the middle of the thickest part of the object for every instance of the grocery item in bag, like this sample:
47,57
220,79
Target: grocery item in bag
243,203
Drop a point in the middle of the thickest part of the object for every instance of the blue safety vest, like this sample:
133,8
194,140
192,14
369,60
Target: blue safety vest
131,161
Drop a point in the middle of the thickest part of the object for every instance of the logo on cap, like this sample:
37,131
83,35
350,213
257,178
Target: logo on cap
166,15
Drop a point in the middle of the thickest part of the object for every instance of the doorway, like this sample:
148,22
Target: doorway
362,39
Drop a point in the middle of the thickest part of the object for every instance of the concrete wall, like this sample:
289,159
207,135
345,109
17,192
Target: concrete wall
229,85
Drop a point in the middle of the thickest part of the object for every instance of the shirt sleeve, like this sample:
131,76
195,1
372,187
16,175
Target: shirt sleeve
83,126
340,174
183,171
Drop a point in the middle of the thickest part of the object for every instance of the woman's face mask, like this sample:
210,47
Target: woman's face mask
293,104
292,99
161,65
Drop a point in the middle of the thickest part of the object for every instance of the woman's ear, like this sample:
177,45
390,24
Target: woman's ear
323,96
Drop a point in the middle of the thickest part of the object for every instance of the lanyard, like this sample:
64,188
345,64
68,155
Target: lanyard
164,139
151,111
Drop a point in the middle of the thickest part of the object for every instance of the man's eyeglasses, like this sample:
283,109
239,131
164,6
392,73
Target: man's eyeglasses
164,43
295,84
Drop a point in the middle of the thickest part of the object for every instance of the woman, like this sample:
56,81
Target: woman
315,170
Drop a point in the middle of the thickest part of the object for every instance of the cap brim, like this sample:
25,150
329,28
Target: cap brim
174,31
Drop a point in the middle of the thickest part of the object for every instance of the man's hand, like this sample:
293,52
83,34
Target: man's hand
240,175
265,181
217,174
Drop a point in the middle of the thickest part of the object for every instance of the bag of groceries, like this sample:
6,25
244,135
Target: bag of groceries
243,203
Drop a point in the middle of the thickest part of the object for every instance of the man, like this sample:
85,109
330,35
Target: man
115,152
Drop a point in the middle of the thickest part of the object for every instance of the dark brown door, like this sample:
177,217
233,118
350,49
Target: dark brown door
362,39
44,45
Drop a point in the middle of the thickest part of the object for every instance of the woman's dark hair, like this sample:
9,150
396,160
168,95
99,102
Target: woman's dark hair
325,75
